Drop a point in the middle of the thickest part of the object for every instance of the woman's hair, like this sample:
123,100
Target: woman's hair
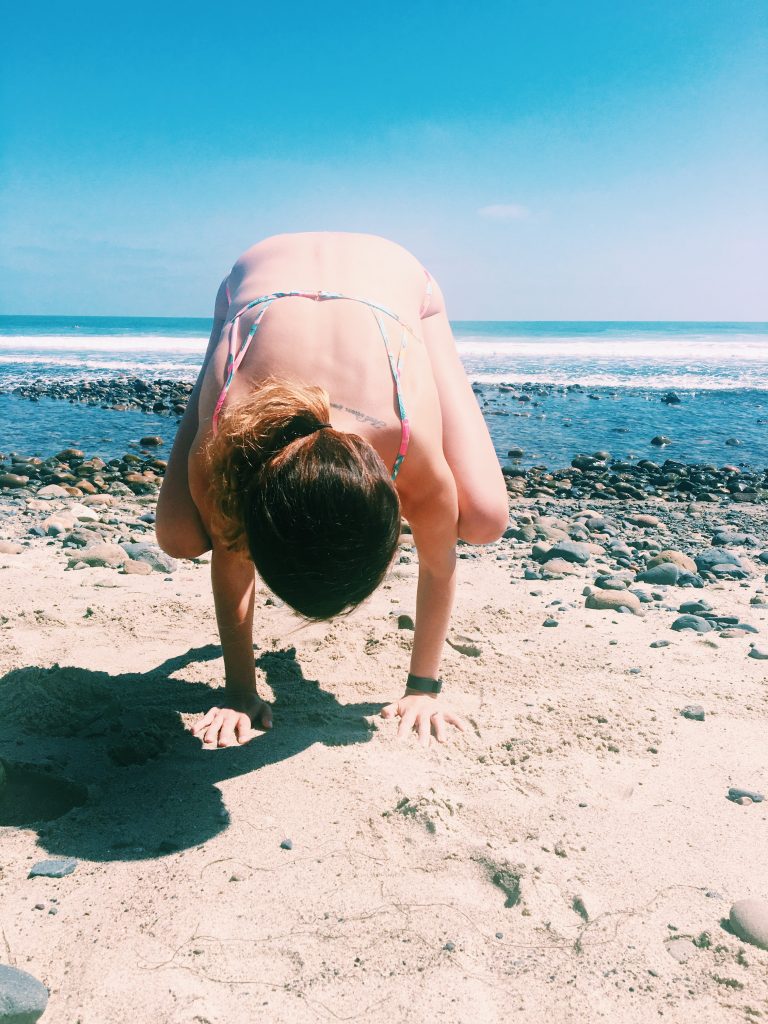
315,508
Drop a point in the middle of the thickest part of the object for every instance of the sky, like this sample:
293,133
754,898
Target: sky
545,159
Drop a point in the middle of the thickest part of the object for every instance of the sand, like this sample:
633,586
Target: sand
572,857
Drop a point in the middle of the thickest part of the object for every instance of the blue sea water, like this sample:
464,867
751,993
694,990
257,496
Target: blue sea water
719,370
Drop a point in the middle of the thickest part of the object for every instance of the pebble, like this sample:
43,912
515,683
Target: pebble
670,575
10,547
287,844
405,621
761,653
550,622
133,568
52,868
660,643
449,947
23,999
749,920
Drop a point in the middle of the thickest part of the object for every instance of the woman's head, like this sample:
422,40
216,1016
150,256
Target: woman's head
314,507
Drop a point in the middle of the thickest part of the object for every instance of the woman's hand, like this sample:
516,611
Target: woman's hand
422,713
233,724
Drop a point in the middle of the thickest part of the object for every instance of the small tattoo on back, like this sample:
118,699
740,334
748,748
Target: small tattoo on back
361,416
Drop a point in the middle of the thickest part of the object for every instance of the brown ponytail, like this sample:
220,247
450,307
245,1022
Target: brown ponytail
315,508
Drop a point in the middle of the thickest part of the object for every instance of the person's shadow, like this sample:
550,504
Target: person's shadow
115,747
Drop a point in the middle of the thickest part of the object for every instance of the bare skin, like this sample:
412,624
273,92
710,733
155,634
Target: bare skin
450,484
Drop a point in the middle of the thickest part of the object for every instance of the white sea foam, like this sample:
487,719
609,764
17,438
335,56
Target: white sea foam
689,382
738,348
101,343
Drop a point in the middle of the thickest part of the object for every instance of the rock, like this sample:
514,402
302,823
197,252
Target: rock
611,583
286,844
760,653
550,622
715,557
695,712
83,513
643,519
12,480
52,868
695,607
670,398
612,600
734,793
52,491
669,574
569,550
694,622
100,555
151,442
660,643
676,557
749,920
152,555
22,998
10,547
661,440
558,567
405,621
681,949
133,568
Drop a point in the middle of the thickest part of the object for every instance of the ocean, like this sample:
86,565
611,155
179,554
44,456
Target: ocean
622,369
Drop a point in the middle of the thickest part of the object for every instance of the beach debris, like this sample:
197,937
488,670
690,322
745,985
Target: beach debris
23,998
736,793
286,844
53,868
749,920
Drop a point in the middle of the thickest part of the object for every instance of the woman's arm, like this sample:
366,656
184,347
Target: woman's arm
233,583
433,521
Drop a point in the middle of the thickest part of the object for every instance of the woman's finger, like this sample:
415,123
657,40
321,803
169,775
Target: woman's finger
406,723
227,736
438,727
424,728
204,722
211,734
243,730
389,711
454,720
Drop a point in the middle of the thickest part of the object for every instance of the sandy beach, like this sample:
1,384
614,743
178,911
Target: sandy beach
573,857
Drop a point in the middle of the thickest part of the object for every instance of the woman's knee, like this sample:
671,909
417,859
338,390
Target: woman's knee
484,523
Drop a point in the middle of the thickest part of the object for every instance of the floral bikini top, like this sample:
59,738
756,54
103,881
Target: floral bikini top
235,354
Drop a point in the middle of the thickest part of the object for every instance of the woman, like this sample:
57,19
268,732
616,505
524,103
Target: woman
331,401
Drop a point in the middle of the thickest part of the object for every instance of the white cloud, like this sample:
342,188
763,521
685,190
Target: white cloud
504,211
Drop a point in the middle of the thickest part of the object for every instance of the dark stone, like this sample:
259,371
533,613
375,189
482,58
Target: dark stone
695,622
22,998
52,869
695,712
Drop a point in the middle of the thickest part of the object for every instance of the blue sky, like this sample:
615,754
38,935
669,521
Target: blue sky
545,159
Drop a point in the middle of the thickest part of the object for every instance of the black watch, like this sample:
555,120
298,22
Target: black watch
424,684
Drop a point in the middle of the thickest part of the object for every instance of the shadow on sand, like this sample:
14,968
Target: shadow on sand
148,787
